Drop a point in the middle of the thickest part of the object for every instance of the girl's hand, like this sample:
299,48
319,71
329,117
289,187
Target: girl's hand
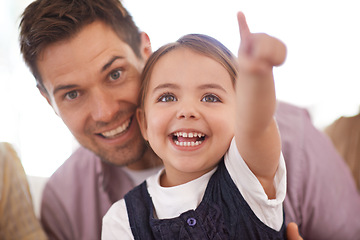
258,52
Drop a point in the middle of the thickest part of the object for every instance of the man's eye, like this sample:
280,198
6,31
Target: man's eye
115,75
167,98
72,95
210,98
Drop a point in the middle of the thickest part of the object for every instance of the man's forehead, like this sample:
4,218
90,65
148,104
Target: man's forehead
96,46
94,36
92,51
98,35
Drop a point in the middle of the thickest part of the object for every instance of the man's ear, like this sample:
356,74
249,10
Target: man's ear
140,116
45,94
145,46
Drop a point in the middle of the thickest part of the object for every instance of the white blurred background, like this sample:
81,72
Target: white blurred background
321,73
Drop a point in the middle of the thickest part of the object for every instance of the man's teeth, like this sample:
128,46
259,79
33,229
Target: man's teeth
117,131
192,142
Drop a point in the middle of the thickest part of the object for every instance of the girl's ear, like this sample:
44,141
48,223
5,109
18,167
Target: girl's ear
140,116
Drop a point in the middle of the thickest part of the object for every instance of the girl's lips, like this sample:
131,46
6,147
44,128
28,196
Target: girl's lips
188,139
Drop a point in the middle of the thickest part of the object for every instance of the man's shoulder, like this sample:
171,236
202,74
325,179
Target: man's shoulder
73,201
298,135
80,165
295,124
289,115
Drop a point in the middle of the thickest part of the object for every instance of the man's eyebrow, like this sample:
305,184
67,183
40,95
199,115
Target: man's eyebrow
111,61
71,86
64,87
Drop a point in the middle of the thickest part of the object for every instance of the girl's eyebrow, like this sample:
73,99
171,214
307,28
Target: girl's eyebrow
212,86
166,85
201,87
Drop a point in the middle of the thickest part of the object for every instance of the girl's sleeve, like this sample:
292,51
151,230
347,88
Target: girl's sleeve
269,211
116,223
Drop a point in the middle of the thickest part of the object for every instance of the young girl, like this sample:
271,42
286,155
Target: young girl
210,119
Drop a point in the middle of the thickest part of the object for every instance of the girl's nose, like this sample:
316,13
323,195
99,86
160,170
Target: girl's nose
188,110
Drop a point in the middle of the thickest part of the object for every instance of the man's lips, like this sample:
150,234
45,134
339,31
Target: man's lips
188,139
117,131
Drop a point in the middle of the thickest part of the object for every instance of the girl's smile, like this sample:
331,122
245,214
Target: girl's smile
188,140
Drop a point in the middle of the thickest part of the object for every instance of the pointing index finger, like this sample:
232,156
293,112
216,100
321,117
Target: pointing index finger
243,27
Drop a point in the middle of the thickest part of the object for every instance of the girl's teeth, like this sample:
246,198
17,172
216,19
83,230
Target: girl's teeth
188,144
189,135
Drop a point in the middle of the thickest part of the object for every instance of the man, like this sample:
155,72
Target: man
87,56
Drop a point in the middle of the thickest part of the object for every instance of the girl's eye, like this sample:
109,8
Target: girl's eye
115,75
210,98
72,95
167,97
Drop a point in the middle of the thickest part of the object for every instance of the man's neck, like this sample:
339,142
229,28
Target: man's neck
149,160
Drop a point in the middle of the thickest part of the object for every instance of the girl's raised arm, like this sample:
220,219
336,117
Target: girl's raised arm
256,133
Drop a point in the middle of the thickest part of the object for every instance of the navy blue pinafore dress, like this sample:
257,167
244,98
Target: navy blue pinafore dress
222,214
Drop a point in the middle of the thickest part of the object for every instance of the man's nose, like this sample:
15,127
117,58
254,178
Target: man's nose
103,106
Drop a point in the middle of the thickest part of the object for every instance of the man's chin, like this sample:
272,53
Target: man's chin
119,162
123,156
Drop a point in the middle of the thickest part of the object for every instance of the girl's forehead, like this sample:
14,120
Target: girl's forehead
183,59
187,68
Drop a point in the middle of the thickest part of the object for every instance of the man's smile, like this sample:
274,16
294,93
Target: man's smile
117,131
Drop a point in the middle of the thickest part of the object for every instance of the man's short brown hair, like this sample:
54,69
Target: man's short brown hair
45,22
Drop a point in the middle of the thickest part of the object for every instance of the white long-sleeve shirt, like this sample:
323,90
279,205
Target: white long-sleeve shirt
168,204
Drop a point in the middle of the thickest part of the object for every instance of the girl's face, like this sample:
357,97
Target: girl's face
189,114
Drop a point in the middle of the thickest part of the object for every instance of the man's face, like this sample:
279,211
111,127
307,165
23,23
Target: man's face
93,81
